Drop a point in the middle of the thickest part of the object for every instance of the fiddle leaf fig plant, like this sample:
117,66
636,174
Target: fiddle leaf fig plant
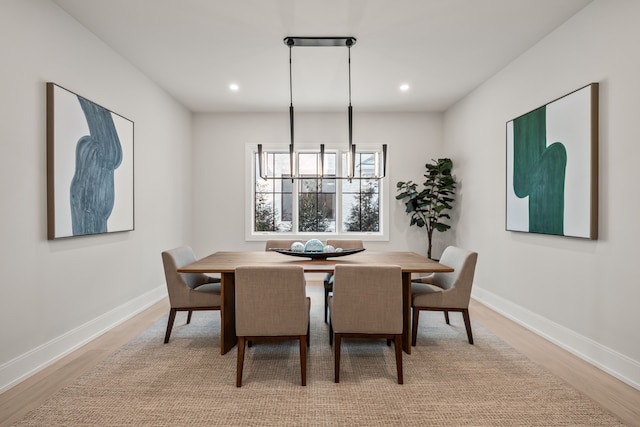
428,205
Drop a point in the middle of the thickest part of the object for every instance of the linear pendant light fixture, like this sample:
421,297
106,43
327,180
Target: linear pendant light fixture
351,152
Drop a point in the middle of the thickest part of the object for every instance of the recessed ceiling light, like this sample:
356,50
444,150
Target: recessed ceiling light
404,87
234,87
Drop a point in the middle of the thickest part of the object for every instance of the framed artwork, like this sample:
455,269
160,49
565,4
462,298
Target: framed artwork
552,167
89,167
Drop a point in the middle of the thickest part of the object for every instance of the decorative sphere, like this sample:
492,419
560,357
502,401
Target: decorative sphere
297,247
314,245
329,248
338,249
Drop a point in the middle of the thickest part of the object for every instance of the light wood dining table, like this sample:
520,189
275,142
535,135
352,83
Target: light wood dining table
226,263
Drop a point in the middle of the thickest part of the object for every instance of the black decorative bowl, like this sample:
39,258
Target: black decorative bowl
318,255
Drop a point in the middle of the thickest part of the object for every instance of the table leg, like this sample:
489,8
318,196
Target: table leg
406,312
228,338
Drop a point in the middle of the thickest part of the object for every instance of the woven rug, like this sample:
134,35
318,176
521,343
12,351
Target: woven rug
448,382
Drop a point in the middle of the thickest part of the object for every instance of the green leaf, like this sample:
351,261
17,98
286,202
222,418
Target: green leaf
441,227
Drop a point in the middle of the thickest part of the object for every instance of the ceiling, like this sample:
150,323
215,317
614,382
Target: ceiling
443,49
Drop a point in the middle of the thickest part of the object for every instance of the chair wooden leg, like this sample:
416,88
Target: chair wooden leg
467,324
241,342
172,317
330,332
414,326
446,317
189,316
326,303
398,345
336,367
303,359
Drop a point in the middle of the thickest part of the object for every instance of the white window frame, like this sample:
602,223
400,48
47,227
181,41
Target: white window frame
383,198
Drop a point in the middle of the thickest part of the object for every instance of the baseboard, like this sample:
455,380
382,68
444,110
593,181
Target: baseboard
27,364
610,361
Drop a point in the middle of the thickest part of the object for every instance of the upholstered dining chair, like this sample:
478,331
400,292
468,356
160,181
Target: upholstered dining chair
187,291
328,278
279,244
366,303
446,291
271,304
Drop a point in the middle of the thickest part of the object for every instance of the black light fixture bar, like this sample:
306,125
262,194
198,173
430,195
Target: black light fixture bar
320,41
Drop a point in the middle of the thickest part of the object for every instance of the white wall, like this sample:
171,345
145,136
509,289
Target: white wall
57,294
581,294
219,190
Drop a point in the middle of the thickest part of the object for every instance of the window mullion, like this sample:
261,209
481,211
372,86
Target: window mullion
294,205
339,220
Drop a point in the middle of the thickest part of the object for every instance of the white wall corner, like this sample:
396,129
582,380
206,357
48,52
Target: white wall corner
33,361
615,364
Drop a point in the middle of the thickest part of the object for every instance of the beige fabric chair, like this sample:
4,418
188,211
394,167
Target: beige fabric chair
280,244
271,304
187,291
328,278
446,291
366,303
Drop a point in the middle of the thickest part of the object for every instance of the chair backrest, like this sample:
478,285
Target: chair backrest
179,257
177,283
459,282
346,244
271,301
280,244
367,299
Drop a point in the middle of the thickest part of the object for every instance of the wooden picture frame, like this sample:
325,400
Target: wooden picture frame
90,167
552,167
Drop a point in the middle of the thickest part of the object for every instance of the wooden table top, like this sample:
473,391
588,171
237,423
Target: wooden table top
227,262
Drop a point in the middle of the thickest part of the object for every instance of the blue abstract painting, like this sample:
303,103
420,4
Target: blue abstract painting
90,167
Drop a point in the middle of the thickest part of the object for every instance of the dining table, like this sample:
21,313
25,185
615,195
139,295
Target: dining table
226,262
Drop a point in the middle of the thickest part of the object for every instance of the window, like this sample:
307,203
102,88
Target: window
360,197
316,205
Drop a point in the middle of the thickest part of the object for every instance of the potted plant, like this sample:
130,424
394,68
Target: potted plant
428,206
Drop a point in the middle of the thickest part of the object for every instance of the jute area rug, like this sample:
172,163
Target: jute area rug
448,382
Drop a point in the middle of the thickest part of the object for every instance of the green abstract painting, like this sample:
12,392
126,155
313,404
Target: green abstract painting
552,167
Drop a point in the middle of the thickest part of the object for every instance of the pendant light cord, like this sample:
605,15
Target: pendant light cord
350,109
349,50
291,148
352,149
290,77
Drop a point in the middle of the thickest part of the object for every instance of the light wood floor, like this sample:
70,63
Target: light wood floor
618,398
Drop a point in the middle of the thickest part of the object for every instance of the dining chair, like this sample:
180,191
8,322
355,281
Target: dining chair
446,291
187,291
328,277
366,303
280,244
271,304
